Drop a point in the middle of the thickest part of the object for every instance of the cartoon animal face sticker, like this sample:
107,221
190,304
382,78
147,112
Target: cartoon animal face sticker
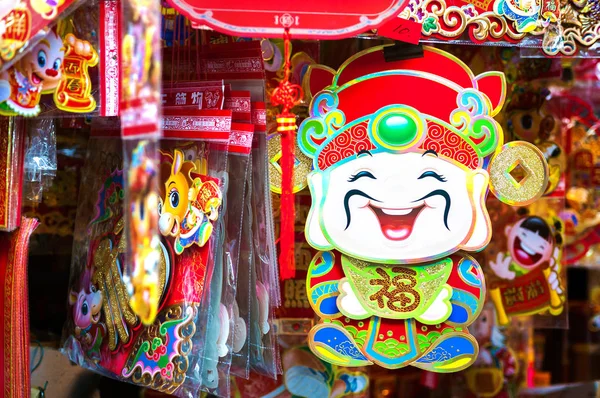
530,242
38,71
42,65
176,201
189,206
87,307
87,304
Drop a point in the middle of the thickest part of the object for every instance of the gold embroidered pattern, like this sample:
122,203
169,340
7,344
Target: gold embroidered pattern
107,276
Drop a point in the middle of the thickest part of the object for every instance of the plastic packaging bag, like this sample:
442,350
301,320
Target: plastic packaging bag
40,159
202,138
264,350
102,332
240,146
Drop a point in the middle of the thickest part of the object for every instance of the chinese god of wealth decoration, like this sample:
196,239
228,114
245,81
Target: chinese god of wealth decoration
401,152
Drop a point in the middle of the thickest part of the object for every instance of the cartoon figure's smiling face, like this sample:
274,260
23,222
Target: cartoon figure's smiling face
42,66
398,207
530,242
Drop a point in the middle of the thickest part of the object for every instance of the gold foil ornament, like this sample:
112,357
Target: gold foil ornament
302,166
518,173
107,276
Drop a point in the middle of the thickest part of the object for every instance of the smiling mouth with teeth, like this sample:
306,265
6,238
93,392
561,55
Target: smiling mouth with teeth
396,224
525,254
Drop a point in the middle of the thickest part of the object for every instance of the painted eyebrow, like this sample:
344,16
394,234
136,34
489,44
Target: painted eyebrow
362,152
431,151
172,182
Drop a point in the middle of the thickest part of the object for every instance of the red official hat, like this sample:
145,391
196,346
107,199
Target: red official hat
426,94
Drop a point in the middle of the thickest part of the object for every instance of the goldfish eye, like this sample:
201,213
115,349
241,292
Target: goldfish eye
84,308
41,58
174,198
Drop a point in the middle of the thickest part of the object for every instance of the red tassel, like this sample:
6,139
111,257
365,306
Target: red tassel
287,95
286,125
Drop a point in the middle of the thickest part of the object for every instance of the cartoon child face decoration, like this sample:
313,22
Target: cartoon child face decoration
530,242
400,178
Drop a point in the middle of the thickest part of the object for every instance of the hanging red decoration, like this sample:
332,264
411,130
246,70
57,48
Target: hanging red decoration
287,95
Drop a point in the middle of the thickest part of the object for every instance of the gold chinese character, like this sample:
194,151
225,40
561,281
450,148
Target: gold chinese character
401,296
532,291
74,85
72,68
513,296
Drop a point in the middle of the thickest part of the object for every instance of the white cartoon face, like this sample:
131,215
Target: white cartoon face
530,242
398,208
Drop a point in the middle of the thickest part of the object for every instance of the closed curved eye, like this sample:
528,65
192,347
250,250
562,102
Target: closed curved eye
432,174
361,174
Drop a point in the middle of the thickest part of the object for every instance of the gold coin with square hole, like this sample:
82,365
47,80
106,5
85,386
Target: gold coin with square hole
518,173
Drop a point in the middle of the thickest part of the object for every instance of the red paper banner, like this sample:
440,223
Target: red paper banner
525,294
308,19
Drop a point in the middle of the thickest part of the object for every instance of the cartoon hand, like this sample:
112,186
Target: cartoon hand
349,303
501,265
439,310
554,282
192,218
192,193
554,259
81,47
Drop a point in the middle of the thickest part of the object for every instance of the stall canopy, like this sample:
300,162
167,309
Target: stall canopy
307,19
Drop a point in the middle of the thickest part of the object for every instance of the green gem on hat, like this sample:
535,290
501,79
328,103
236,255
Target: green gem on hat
397,130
